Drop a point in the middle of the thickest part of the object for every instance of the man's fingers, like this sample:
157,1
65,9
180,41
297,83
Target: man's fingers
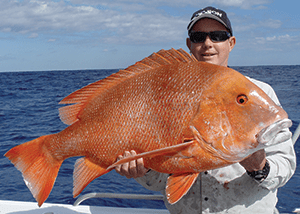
125,166
132,169
141,170
118,168
132,166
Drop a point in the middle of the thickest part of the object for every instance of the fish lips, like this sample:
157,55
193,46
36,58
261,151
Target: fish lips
271,135
274,133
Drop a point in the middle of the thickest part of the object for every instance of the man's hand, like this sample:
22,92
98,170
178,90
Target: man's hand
272,135
132,169
255,162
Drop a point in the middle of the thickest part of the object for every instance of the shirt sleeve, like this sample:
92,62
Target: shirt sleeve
281,157
282,160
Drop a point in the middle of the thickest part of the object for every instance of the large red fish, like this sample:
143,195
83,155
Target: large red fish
182,116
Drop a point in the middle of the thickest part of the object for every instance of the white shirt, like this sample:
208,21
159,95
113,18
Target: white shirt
230,189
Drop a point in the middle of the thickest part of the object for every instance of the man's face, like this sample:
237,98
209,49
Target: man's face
208,51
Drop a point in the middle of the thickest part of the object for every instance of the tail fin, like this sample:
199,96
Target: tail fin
39,168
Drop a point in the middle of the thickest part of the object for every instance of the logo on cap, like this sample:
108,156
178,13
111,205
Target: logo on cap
212,12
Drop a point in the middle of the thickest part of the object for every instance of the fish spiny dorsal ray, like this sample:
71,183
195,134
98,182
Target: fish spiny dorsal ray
70,114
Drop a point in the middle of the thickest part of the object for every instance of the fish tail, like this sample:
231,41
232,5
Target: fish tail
39,168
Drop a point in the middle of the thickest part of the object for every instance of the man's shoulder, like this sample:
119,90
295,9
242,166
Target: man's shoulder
266,88
260,84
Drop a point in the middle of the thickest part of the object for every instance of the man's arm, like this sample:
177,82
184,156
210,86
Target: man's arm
255,162
281,157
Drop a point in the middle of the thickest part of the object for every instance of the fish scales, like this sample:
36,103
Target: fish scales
182,116
129,122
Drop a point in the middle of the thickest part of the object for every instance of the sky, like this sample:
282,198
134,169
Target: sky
104,34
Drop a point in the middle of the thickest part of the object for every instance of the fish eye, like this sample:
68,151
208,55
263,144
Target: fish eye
242,99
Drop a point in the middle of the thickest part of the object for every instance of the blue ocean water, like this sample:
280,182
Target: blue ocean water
29,109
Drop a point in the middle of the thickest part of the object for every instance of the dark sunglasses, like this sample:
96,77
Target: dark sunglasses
215,36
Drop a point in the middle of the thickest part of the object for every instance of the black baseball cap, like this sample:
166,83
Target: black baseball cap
212,13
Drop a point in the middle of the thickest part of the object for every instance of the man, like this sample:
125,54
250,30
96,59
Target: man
246,187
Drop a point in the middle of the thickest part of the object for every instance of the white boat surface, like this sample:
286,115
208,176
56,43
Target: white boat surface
19,207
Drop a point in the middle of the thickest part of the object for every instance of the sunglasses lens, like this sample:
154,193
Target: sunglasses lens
198,37
219,36
215,36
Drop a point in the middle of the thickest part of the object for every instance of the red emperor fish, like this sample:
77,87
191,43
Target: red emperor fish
182,116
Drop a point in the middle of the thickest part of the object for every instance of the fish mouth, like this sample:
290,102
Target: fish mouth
268,136
268,133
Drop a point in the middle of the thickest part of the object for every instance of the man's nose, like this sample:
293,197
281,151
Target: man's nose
208,42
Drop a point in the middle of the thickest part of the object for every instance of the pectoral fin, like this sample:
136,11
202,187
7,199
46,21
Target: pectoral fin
158,152
178,185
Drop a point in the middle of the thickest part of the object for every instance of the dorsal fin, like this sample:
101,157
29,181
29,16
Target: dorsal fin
70,114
